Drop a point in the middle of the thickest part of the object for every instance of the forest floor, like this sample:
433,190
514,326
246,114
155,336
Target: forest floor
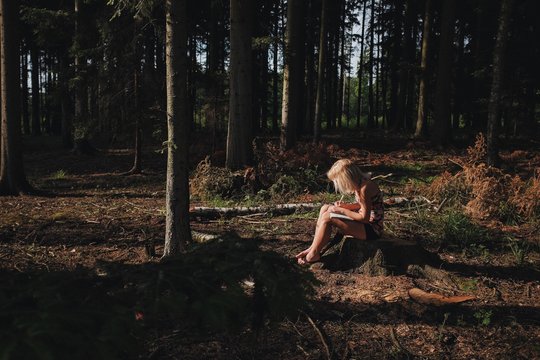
92,214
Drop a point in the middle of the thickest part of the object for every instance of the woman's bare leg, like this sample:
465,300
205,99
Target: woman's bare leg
323,233
324,209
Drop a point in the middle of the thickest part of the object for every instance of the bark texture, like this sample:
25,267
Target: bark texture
12,177
499,57
239,135
177,229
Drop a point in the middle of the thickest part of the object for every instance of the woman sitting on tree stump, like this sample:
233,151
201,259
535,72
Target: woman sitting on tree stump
362,220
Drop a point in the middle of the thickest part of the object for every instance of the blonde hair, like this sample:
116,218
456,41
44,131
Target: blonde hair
346,176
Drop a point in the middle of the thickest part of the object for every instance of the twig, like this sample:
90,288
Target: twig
438,208
382,176
321,336
396,342
455,162
301,348
295,328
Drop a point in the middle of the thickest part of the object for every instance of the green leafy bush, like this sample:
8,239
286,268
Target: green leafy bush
285,186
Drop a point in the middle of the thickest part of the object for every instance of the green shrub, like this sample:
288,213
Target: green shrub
285,186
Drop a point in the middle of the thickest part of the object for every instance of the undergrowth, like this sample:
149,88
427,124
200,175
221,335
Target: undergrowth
488,193
223,285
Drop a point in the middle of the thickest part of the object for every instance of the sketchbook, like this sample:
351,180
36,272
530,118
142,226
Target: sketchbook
340,216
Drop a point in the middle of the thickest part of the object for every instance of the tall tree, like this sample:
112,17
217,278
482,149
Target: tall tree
320,76
239,135
177,229
440,134
422,89
36,98
293,74
361,64
499,58
371,112
24,91
12,177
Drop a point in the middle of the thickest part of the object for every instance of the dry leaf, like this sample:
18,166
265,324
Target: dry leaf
423,297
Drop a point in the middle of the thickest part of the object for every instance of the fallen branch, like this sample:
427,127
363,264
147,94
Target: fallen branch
397,343
282,209
382,176
321,336
286,209
423,297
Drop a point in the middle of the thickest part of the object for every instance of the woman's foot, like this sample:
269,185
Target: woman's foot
309,258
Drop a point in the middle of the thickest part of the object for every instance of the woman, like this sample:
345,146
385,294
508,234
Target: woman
362,220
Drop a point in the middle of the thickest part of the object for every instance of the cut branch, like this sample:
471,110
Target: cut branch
285,209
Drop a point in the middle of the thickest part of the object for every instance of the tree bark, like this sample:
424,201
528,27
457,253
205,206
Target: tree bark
36,113
293,74
67,121
341,56
371,103
24,91
12,177
499,58
177,228
320,76
239,136
81,92
361,65
422,90
440,135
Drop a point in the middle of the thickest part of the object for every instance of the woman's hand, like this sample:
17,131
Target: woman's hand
334,209
338,203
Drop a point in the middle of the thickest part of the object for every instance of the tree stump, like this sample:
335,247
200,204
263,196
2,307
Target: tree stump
384,256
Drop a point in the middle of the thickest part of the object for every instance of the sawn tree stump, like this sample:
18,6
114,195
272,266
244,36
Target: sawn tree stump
384,256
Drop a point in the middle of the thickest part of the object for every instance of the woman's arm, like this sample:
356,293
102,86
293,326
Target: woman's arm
353,206
363,204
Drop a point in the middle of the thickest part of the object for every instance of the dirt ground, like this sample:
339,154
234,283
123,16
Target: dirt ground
93,214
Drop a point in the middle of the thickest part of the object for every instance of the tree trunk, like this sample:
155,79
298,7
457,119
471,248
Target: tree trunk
67,121
459,86
320,76
24,92
347,87
275,74
405,78
239,136
293,74
36,113
440,135
341,56
499,57
12,177
371,113
310,71
137,156
421,118
177,229
361,65
81,92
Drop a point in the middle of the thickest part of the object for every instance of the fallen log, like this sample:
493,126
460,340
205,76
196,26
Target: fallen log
282,209
285,209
